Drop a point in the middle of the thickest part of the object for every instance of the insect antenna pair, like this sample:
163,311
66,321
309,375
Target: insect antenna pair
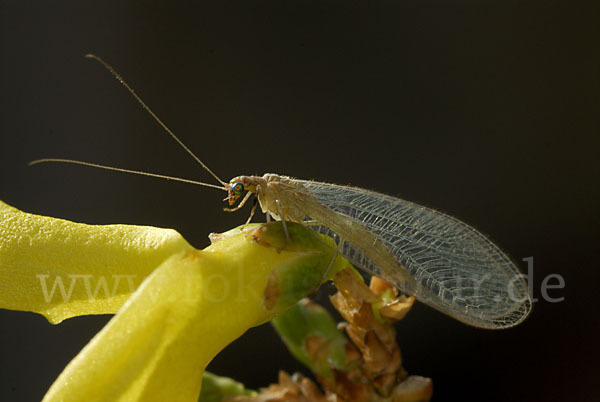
224,185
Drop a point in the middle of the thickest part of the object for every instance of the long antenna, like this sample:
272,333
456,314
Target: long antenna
116,169
132,92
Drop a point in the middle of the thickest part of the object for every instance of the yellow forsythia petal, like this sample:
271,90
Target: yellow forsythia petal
192,306
63,269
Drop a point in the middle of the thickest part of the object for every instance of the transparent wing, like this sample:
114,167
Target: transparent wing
457,269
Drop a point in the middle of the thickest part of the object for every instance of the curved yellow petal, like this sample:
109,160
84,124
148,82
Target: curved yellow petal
192,306
63,269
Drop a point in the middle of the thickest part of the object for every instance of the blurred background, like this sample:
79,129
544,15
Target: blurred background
486,110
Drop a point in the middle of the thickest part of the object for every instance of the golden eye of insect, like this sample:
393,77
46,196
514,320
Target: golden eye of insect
237,188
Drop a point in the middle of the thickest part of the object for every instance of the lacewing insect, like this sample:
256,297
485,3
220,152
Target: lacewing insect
444,262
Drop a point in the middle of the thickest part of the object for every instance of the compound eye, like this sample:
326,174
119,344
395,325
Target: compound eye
237,188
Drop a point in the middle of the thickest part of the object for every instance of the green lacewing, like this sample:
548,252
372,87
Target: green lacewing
439,259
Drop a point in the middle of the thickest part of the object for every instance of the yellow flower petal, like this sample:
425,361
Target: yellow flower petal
192,306
63,269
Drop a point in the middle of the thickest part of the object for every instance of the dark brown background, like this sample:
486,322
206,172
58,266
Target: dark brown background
486,109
